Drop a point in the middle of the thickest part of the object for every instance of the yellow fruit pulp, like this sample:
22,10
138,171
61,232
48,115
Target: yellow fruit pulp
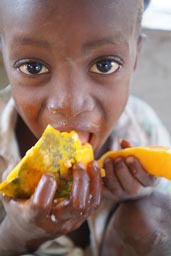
156,160
55,152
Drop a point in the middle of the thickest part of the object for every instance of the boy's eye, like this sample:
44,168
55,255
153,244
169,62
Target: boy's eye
105,66
32,68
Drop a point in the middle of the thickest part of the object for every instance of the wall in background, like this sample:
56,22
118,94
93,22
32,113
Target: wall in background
152,81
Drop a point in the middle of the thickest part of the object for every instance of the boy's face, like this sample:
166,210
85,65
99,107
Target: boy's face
70,63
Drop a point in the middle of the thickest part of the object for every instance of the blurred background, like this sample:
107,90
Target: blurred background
152,80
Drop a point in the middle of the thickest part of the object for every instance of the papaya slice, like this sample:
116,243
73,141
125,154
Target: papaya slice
55,152
155,159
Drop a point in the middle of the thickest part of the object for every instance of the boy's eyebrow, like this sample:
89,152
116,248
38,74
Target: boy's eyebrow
103,41
31,41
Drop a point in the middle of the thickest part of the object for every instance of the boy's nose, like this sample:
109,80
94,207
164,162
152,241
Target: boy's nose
70,103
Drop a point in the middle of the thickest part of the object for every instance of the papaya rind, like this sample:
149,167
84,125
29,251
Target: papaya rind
156,160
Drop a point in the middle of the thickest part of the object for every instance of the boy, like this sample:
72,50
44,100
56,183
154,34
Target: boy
70,64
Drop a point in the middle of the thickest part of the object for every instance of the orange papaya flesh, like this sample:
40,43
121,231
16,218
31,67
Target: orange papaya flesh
55,152
156,160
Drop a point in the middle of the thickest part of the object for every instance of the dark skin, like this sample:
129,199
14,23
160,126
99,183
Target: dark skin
79,83
139,227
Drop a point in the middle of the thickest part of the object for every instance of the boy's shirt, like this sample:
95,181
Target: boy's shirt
138,124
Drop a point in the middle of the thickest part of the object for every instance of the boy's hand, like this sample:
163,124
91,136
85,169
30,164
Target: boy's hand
126,178
44,217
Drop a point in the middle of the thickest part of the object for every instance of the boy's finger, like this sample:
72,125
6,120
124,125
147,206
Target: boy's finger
95,185
128,183
139,172
43,196
110,180
80,188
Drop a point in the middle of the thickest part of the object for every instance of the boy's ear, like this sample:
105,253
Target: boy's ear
140,41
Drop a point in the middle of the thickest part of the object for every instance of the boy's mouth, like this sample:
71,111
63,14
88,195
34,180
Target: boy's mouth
84,137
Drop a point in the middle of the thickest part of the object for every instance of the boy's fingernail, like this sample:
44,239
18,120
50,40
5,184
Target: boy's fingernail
120,163
78,165
108,161
130,160
118,160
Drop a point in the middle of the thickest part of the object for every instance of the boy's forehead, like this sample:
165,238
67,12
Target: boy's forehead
28,8
30,15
